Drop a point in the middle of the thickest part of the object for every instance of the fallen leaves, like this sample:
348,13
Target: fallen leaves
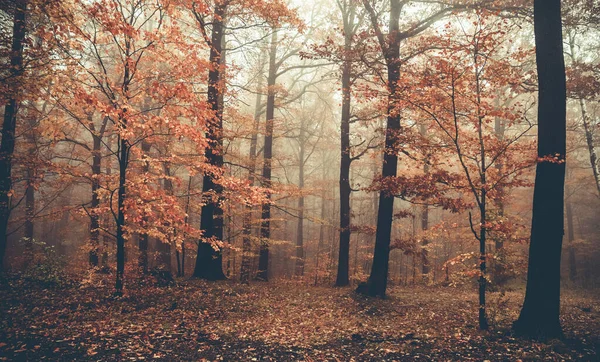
275,321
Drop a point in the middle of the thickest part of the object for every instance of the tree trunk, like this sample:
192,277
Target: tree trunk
106,238
377,284
425,268
165,247
300,227
247,221
181,262
124,147
209,261
345,190
265,227
143,237
30,177
94,217
589,139
499,129
123,163
321,227
540,313
7,145
483,323
571,237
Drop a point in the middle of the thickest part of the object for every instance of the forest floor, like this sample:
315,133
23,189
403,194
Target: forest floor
196,320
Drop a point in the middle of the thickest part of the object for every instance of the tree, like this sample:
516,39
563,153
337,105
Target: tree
389,45
275,70
539,316
7,145
209,259
348,9
247,218
470,72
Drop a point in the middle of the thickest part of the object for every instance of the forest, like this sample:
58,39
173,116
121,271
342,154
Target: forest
283,180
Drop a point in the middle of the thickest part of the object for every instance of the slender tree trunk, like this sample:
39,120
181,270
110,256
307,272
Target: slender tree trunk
124,147
378,278
321,227
247,222
30,176
94,217
106,238
571,237
7,145
499,129
209,262
165,247
589,139
300,227
345,190
265,228
540,313
143,237
425,267
187,212
123,163
483,323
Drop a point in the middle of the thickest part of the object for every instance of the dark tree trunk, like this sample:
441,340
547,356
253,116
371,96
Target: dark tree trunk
123,163
265,227
124,147
209,262
181,262
106,237
94,217
483,323
7,145
377,283
344,252
165,246
539,316
143,237
499,129
247,222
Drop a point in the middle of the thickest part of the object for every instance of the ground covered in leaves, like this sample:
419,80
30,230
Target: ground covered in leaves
196,320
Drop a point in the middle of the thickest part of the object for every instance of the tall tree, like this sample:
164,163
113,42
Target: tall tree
9,123
265,227
348,9
209,261
540,313
390,47
247,221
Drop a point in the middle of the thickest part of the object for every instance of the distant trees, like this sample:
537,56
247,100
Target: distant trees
540,313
